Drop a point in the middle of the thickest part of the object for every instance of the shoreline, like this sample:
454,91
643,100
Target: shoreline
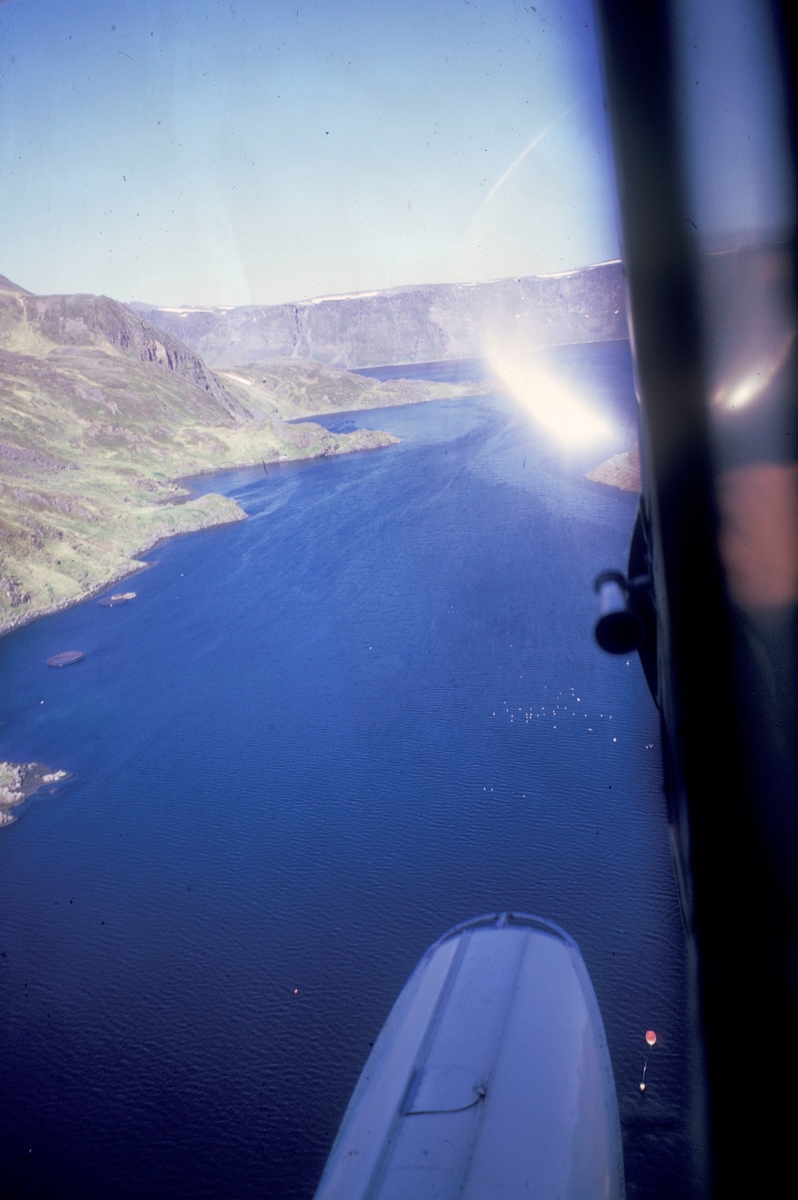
20,781
136,565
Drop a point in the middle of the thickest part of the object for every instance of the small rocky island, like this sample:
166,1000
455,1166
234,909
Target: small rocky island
18,781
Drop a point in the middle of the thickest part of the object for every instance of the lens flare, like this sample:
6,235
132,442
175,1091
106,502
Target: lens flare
554,404
748,385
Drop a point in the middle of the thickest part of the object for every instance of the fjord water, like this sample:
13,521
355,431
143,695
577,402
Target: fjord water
314,741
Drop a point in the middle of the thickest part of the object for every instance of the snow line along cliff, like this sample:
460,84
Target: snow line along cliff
410,324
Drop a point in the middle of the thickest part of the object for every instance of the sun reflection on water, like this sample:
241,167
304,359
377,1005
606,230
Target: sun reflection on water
553,403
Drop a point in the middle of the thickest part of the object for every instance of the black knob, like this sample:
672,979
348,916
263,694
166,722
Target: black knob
618,630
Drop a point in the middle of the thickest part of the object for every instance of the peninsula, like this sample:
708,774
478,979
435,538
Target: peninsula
289,389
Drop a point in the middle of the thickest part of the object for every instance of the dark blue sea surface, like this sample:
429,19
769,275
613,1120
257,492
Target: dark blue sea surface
315,740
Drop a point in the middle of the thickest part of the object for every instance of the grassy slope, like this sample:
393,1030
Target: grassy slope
291,388
99,414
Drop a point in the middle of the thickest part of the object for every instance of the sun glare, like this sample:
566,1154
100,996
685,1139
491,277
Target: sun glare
552,403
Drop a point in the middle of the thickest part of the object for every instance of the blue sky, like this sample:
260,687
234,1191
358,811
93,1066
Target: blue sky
258,151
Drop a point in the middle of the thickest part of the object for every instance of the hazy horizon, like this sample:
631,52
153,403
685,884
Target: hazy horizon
224,153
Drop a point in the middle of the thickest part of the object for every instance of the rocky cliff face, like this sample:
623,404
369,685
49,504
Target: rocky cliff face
407,325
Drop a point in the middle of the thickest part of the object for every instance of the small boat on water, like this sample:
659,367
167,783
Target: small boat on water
491,1077
117,598
65,658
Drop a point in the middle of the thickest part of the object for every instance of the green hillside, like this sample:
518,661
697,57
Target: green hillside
99,415
291,387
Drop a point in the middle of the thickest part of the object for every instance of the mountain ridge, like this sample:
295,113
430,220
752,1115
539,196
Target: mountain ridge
409,324
44,324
